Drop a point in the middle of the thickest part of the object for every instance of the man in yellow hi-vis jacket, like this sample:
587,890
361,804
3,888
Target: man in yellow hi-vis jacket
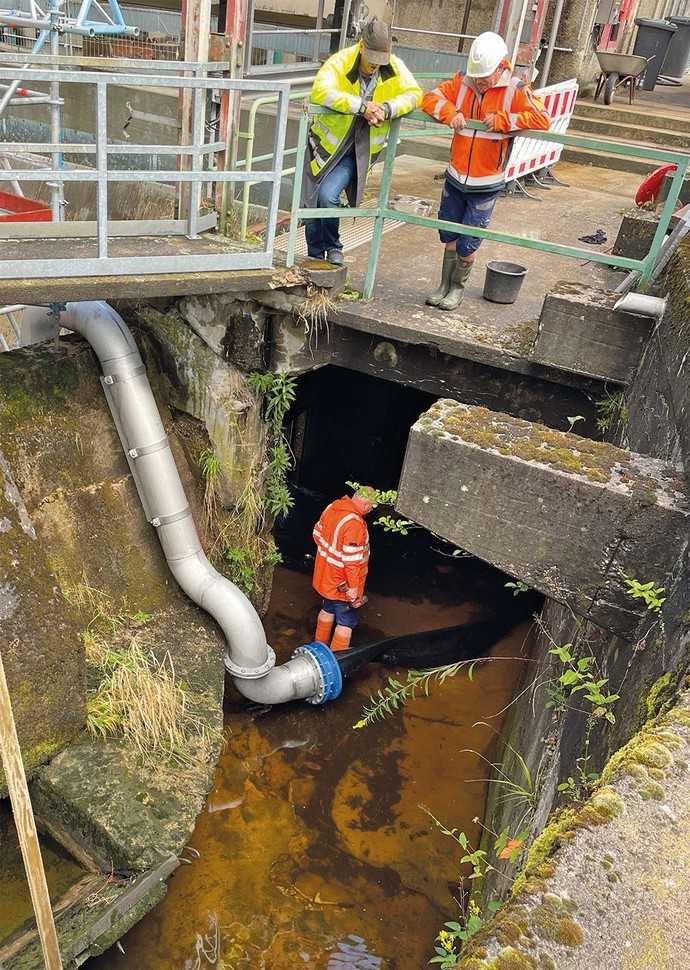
367,86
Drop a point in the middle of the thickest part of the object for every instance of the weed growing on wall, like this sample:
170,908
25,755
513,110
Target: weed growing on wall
385,497
133,694
649,593
609,409
242,543
456,933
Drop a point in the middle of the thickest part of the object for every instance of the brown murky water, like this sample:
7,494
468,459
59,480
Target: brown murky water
314,850
15,902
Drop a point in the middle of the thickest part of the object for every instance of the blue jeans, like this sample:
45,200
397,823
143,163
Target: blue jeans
469,208
324,234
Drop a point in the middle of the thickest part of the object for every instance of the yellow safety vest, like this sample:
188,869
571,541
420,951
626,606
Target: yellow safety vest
337,86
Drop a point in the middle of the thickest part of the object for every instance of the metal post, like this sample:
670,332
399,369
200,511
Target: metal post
465,21
278,146
26,828
518,33
56,189
231,101
197,29
102,168
317,35
345,24
664,221
297,185
249,42
384,188
197,141
544,79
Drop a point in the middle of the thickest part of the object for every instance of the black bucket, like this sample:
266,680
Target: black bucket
503,281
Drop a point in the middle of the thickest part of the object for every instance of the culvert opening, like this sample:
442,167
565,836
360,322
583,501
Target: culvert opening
316,844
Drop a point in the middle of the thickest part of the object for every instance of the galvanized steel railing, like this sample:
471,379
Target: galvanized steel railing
382,210
191,172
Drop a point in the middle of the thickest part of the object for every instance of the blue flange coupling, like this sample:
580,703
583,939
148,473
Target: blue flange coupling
328,668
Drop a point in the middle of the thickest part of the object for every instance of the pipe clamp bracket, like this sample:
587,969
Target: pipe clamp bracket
148,449
158,520
117,379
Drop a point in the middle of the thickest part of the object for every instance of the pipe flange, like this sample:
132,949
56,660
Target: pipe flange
328,669
251,673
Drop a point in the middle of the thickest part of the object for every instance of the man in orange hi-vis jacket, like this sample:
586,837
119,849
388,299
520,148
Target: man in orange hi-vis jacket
487,92
341,565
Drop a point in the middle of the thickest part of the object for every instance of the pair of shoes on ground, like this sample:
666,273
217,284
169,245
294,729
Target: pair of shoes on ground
333,256
454,275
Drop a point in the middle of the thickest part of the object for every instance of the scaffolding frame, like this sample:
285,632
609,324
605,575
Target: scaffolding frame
51,22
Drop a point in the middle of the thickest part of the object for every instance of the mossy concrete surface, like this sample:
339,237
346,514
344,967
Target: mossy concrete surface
71,485
42,650
606,884
567,515
580,331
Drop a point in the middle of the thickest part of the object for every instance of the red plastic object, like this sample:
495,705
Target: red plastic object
651,186
20,209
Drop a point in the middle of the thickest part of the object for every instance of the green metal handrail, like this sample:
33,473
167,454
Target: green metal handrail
249,158
382,211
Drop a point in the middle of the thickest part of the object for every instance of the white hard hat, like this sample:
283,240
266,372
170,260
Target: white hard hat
486,53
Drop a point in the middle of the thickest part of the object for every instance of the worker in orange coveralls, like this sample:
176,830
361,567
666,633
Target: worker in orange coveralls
341,565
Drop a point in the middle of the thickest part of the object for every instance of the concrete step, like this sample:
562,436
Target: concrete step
617,163
628,116
671,138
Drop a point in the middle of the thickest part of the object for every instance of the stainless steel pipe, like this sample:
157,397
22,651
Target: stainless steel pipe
249,659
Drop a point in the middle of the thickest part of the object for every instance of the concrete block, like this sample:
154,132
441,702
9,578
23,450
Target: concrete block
636,233
565,514
580,332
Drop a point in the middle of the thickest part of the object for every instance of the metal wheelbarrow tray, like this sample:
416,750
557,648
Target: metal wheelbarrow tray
617,69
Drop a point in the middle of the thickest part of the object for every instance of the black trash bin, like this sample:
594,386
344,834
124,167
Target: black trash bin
653,39
678,53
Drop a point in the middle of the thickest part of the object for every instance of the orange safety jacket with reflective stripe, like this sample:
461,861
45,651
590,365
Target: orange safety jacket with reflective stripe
478,158
342,550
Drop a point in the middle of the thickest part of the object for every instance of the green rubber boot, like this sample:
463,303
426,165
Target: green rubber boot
456,291
449,260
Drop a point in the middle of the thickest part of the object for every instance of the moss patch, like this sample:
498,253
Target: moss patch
660,696
551,921
596,461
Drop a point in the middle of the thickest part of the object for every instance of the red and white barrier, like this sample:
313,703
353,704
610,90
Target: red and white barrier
531,154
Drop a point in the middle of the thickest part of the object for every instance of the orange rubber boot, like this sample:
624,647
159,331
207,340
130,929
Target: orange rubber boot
324,625
341,638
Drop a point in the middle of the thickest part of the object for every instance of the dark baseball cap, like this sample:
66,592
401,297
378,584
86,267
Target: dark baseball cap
376,41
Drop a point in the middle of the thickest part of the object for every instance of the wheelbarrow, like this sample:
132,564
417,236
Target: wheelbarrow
619,69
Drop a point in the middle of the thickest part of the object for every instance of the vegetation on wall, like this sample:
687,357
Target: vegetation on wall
242,544
133,694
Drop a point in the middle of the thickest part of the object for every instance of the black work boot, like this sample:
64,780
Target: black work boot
449,259
456,291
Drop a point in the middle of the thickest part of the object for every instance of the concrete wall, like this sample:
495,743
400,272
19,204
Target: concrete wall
654,419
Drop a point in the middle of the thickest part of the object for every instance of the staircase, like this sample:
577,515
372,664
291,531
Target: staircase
623,124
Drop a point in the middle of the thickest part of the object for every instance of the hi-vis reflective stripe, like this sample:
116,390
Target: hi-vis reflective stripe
495,179
461,94
403,103
330,551
488,135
